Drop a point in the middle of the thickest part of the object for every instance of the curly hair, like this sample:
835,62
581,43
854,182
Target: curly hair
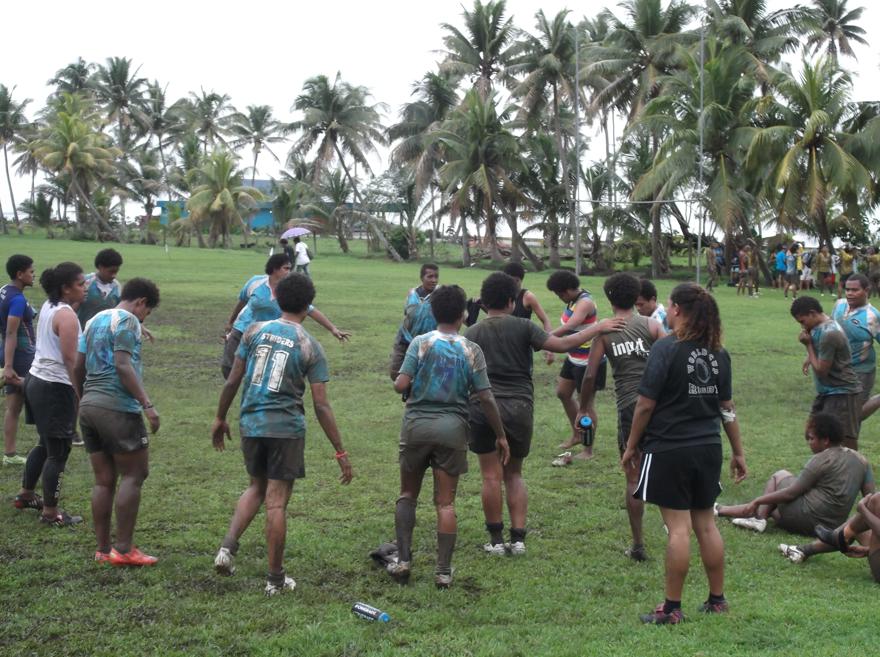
448,303
700,320
498,290
622,290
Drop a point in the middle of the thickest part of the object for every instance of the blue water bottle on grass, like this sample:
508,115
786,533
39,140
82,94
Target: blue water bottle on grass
587,429
368,612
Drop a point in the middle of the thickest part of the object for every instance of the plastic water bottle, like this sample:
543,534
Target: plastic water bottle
368,612
585,426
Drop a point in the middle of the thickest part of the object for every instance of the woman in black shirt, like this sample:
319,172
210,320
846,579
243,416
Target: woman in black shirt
684,398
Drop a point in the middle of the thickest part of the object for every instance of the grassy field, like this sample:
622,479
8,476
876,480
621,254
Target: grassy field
574,593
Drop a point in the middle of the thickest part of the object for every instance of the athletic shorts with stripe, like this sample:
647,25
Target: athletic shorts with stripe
683,479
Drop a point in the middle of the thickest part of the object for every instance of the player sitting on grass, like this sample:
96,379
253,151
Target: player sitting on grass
508,343
275,359
823,493
441,370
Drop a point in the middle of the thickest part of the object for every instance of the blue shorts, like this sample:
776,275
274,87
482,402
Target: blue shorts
21,363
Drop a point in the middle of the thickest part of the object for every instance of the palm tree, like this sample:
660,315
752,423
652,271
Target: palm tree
803,153
544,184
12,126
75,78
208,115
258,129
332,205
121,92
26,163
72,146
485,47
765,35
144,180
162,123
638,52
39,213
219,197
549,67
832,26
337,119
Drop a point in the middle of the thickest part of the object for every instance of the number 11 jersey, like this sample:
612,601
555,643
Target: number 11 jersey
280,356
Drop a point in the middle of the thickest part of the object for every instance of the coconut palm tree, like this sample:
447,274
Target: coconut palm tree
765,35
219,197
337,120
542,181
831,26
12,127
485,46
143,177
208,115
332,205
39,213
72,146
121,93
258,129
26,163
638,52
75,78
801,151
548,64
164,124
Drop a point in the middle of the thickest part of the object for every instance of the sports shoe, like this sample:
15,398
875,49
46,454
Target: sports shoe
636,553
518,547
61,519
792,552
709,607
77,441
223,562
399,571
755,524
443,580
494,548
35,502
277,589
832,537
715,508
15,459
562,460
660,617
102,557
133,557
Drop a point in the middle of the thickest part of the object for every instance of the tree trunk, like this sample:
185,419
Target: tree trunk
563,161
521,243
102,223
433,223
11,195
340,231
553,240
371,221
658,259
465,243
3,227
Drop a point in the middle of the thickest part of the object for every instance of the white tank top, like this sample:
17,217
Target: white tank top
48,361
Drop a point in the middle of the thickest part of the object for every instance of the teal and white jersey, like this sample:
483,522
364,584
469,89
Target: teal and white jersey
107,332
445,369
245,317
280,357
660,315
862,328
99,296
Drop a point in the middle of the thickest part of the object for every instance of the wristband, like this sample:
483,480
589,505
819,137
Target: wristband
341,455
148,405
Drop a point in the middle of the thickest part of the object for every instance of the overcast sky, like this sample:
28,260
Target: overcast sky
261,52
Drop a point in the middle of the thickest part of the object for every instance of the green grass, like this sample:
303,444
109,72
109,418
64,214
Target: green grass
573,594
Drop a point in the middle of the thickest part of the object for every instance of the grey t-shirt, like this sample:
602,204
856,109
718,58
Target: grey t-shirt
627,350
830,343
834,478
507,343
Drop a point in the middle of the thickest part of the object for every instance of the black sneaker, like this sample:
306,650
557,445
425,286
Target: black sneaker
709,607
35,502
636,553
61,519
832,537
660,617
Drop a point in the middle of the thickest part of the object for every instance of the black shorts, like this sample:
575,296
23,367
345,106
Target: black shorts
51,406
575,373
229,349
398,353
624,424
846,408
274,458
21,363
517,416
684,479
112,432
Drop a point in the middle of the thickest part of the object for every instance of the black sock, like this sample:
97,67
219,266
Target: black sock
276,578
517,535
404,522
716,599
445,546
230,544
671,605
496,532
807,549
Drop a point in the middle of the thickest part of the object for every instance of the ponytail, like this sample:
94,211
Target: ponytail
54,279
700,321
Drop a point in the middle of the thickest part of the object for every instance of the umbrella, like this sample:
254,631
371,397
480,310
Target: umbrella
297,231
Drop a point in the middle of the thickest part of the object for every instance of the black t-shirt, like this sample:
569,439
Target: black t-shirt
507,343
688,382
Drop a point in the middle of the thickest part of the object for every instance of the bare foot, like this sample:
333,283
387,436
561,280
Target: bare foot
585,455
571,442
